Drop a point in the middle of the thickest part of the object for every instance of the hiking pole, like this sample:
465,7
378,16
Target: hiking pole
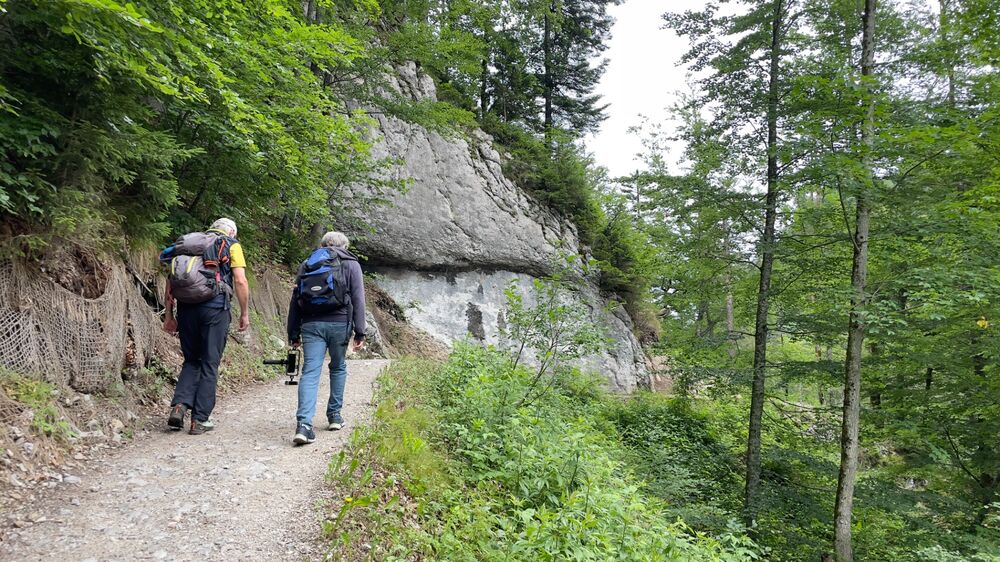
292,363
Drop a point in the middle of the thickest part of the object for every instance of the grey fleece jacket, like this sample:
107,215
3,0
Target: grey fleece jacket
355,286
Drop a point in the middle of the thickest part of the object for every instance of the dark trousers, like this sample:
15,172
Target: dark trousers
203,332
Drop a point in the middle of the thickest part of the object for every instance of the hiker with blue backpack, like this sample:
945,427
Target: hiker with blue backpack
205,270
327,306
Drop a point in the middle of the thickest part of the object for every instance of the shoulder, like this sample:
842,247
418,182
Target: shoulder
236,256
354,265
348,256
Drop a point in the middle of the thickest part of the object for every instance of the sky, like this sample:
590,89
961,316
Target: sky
642,78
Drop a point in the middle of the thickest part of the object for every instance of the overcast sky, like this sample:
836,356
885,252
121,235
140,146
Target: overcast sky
642,77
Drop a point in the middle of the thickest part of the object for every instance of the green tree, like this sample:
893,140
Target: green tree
574,33
859,279
127,118
750,99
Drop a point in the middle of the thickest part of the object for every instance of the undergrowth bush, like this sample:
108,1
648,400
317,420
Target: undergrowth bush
453,468
689,451
675,450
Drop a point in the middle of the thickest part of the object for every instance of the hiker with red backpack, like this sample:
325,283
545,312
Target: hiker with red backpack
328,304
206,270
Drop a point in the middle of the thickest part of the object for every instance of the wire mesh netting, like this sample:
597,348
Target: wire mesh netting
68,339
52,333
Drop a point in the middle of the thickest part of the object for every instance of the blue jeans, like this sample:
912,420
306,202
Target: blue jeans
317,337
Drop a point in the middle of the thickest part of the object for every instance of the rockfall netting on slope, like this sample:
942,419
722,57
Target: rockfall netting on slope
88,325
67,339
86,343
269,299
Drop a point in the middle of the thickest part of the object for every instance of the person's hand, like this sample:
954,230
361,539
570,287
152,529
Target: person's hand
296,344
244,322
170,325
359,344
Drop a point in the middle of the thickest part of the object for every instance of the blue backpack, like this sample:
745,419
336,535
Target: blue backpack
322,282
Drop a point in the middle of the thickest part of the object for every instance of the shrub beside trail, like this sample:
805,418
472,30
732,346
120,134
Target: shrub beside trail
457,465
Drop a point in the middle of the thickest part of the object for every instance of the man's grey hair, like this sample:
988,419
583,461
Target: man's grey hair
225,225
335,240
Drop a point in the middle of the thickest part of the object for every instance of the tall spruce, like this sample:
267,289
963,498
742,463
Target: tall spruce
574,34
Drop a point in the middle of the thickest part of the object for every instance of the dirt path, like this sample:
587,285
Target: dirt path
240,492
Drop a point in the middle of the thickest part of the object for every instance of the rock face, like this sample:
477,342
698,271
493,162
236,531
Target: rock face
451,243
459,211
470,305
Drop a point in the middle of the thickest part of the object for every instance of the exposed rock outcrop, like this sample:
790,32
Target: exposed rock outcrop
459,211
470,304
449,245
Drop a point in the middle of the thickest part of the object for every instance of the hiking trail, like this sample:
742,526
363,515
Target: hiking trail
240,492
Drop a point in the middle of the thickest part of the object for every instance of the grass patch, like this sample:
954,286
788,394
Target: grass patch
41,397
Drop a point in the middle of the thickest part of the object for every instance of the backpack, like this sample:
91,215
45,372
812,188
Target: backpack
322,282
198,267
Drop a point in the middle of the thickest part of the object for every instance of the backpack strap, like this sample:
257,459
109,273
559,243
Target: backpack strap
217,255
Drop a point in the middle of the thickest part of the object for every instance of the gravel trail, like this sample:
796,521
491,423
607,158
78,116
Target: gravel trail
240,492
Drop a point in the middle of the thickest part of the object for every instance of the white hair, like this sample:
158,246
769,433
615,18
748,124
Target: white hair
225,225
335,240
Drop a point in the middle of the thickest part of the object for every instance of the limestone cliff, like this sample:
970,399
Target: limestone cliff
448,246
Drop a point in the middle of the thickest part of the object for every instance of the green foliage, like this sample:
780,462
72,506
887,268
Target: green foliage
689,452
473,460
529,483
929,472
530,64
555,172
628,263
555,327
41,397
133,118
674,449
561,177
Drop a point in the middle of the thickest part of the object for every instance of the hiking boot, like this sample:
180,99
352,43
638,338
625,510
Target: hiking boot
336,422
176,418
304,434
199,427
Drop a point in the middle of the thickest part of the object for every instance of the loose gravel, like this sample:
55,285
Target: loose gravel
240,492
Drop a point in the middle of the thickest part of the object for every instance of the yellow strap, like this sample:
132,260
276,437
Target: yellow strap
190,265
173,267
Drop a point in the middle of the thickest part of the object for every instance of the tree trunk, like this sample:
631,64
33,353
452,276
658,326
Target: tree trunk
731,337
979,359
730,324
843,511
547,79
701,316
309,10
989,491
752,490
944,28
483,81
637,204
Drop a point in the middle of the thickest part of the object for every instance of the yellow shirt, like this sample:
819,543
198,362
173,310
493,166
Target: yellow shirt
236,258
